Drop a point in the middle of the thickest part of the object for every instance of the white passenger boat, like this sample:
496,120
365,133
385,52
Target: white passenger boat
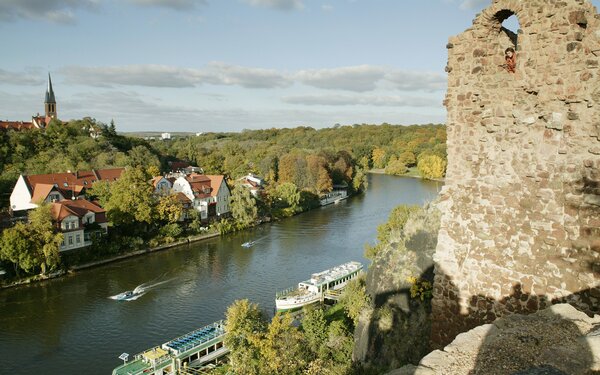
317,287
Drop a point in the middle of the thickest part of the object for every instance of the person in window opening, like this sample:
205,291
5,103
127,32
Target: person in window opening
510,59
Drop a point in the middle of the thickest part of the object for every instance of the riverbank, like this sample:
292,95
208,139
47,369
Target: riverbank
412,174
73,269
97,263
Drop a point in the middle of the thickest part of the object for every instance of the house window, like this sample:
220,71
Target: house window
70,240
78,238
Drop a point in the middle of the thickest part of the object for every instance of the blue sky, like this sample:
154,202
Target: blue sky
228,65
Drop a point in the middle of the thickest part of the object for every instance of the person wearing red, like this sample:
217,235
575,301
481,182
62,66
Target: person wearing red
510,59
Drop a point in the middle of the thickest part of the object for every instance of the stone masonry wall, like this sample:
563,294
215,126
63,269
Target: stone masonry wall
520,227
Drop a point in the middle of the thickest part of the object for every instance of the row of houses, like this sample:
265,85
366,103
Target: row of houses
79,219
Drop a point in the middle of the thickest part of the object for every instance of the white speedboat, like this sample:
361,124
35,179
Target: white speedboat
126,296
248,244
321,284
130,295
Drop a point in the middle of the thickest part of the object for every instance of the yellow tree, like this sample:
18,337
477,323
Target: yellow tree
169,209
283,348
244,326
432,166
378,156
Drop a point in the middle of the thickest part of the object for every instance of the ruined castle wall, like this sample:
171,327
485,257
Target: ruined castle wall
521,208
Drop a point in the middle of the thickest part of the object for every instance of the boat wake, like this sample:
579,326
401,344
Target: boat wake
252,243
140,290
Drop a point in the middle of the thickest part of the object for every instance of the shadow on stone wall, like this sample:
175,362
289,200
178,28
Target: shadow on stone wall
554,341
395,330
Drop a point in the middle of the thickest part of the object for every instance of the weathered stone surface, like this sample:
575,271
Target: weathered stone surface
395,330
555,341
521,203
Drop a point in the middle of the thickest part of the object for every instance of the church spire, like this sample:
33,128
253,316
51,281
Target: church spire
50,101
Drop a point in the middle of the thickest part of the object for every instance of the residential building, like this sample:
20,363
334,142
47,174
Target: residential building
186,203
254,183
162,185
79,220
209,194
30,190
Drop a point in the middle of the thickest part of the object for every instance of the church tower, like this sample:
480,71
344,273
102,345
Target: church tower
50,101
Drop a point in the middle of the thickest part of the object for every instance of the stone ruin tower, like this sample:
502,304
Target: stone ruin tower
521,208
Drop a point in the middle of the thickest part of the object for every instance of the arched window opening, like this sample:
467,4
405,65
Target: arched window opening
509,25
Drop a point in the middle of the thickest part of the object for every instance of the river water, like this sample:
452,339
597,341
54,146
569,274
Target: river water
71,326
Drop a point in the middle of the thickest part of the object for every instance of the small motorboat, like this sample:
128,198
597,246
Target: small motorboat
248,244
125,296
129,295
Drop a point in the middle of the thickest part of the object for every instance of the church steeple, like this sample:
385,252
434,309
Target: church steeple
50,101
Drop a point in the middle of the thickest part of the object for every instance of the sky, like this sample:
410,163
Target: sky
229,65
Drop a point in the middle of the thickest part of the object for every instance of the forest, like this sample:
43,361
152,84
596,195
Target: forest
294,155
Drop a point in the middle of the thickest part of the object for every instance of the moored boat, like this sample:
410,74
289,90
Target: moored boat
317,287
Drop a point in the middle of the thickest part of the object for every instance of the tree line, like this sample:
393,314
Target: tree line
299,165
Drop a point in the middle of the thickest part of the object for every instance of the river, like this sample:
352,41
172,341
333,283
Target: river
71,326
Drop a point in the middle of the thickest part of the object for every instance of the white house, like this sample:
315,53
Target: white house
254,183
209,194
30,190
162,185
78,220
165,136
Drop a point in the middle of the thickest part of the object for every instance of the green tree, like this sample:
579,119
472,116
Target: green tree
142,156
314,326
407,158
46,240
243,206
359,181
131,198
100,191
355,298
288,194
395,167
431,166
17,248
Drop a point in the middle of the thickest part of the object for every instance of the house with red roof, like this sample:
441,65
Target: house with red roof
79,220
209,194
255,184
31,190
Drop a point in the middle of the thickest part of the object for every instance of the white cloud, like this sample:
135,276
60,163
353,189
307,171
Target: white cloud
327,7
361,78
353,78
134,75
32,77
132,111
277,4
168,76
225,74
59,11
173,4
363,99
413,81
